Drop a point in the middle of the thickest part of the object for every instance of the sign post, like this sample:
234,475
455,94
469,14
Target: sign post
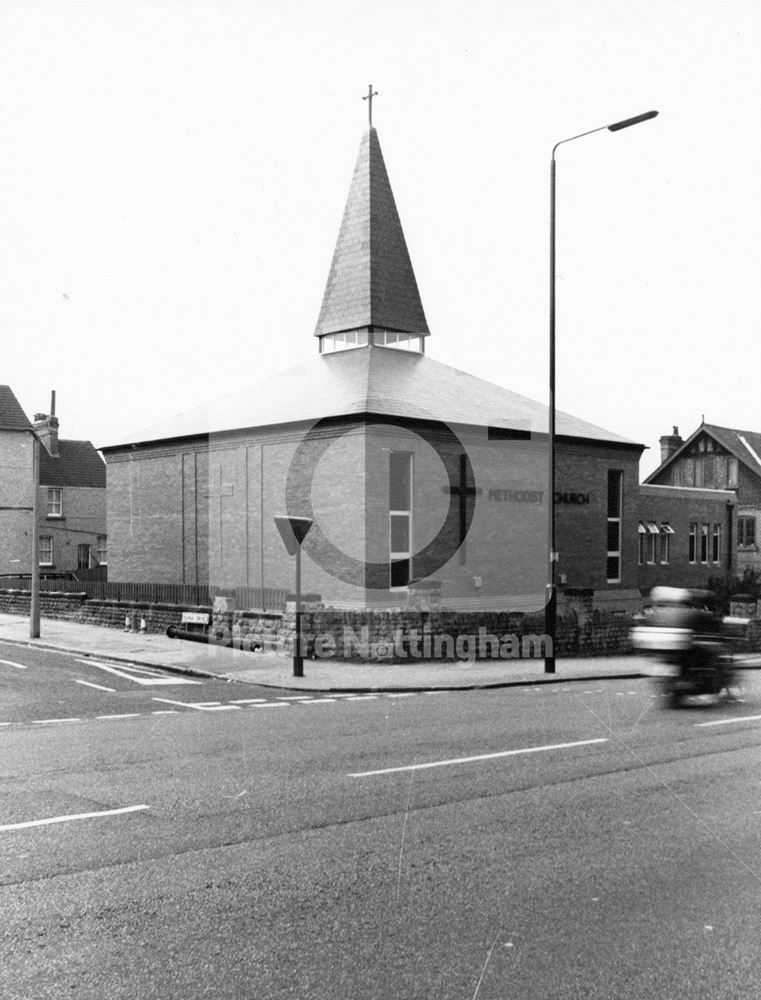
293,531
34,604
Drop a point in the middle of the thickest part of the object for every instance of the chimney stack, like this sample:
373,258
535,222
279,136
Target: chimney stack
47,428
670,443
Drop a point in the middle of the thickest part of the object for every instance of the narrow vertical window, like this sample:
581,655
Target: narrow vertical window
55,502
102,550
46,550
666,532
704,543
615,510
693,547
716,544
400,518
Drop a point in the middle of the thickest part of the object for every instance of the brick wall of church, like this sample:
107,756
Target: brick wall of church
202,512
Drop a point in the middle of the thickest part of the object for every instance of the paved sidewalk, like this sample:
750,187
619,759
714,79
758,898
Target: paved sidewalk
320,675
273,670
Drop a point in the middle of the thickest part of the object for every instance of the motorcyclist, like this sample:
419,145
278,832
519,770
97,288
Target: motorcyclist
701,660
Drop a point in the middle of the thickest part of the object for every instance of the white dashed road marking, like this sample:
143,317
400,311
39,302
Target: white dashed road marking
69,819
139,675
481,756
47,722
200,706
12,663
98,686
727,722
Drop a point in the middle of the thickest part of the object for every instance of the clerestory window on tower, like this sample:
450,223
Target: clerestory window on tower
347,340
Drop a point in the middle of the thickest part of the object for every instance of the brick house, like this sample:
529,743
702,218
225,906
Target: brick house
71,495
412,471
700,509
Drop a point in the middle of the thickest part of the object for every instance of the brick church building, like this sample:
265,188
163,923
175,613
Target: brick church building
414,473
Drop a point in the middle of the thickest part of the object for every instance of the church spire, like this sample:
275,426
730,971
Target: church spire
371,284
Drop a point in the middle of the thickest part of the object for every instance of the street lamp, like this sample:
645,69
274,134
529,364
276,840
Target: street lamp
552,607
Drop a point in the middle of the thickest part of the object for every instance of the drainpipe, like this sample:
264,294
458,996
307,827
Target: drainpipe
730,509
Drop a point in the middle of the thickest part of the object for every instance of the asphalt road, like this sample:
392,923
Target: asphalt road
166,839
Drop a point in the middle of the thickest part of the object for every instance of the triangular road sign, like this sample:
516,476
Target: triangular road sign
293,531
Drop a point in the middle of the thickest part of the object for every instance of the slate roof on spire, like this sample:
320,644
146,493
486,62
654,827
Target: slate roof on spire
371,281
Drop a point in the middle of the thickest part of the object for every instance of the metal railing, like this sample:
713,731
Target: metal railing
245,598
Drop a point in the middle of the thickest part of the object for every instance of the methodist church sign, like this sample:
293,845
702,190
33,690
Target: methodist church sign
535,496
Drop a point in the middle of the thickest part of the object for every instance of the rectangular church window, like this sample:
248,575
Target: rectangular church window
400,533
615,513
400,481
400,518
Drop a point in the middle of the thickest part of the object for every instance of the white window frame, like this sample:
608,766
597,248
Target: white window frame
704,546
743,520
716,543
101,550
666,532
394,555
55,501
45,548
615,519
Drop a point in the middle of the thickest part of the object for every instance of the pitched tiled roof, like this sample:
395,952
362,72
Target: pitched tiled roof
373,380
745,445
371,281
12,417
77,464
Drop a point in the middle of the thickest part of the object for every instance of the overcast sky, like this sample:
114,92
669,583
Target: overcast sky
173,174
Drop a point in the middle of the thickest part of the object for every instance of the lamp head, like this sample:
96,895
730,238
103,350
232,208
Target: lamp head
616,126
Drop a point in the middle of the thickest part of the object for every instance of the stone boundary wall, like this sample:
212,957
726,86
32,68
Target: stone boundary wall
355,636
404,636
262,629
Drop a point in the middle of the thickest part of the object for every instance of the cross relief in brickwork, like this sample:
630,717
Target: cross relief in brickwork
218,490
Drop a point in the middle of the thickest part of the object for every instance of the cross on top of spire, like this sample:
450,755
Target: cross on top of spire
369,98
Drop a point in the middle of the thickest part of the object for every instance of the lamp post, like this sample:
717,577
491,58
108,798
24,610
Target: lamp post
34,601
550,620
293,531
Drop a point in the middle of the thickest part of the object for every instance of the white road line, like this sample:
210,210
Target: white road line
247,701
98,686
482,756
362,697
45,722
295,697
139,675
122,715
727,722
318,701
73,816
200,706
273,704
165,711
401,694
12,663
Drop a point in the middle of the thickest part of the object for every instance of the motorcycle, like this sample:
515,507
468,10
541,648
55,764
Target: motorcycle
691,644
